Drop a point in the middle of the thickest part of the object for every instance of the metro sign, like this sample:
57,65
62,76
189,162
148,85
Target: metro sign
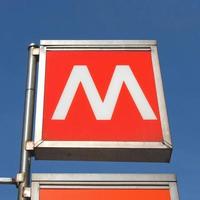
101,100
104,187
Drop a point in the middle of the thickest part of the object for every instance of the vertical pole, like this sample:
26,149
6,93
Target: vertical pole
25,161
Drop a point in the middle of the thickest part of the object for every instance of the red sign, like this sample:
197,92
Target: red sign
104,187
100,95
104,194
70,76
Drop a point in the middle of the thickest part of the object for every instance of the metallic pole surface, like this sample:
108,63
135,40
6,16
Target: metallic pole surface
6,180
25,161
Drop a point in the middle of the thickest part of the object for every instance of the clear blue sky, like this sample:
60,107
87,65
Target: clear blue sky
175,24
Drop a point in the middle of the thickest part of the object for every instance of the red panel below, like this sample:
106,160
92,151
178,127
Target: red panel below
104,194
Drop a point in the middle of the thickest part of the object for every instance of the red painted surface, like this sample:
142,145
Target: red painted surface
80,124
104,194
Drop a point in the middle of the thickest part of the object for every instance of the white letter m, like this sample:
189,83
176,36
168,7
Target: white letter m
103,110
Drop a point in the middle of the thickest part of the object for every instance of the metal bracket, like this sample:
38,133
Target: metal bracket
27,192
30,145
36,52
19,178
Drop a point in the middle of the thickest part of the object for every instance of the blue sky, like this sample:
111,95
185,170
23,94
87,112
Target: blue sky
175,24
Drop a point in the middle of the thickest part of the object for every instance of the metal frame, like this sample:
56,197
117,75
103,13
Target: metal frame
101,150
104,181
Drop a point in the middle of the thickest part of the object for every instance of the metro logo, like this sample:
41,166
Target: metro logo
100,96
103,110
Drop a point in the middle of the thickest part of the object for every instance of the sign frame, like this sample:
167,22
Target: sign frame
101,181
101,150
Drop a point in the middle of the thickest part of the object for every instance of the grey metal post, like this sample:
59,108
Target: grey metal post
6,180
28,122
